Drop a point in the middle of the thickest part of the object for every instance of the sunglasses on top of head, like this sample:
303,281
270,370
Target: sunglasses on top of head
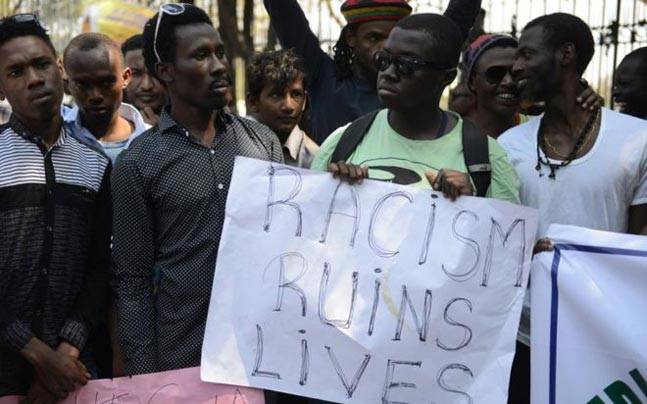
170,9
405,65
23,18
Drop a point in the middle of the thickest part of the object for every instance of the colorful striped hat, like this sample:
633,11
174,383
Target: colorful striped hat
484,42
358,11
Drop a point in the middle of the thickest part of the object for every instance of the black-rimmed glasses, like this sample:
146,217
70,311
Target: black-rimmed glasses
405,65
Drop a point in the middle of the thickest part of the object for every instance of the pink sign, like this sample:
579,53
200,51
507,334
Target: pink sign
173,387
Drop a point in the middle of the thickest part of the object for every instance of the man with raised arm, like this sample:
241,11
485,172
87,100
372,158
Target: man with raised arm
343,88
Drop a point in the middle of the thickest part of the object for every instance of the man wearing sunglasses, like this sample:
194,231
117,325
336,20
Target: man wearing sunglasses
488,62
413,141
169,191
55,234
342,88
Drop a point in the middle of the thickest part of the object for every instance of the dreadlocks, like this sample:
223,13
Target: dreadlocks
344,54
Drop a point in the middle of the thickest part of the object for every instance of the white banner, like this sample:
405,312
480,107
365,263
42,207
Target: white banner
589,319
365,294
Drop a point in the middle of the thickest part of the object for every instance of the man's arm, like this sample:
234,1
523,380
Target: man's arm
638,209
638,219
133,256
91,302
463,13
14,333
293,31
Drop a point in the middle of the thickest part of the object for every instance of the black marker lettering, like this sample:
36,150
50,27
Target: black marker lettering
323,286
283,283
496,230
462,277
443,385
430,231
423,328
259,357
355,215
376,300
380,251
305,362
287,201
467,337
390,384
352,385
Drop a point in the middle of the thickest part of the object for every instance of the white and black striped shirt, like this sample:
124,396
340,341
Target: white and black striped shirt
55,226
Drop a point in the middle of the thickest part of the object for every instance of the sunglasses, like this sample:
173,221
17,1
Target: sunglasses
494,74
23,18
170,9
404,65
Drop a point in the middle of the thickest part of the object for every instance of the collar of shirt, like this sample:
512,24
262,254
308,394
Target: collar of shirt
20,129
293,143
127,111
166,123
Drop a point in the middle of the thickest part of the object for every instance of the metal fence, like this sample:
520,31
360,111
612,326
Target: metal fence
619,26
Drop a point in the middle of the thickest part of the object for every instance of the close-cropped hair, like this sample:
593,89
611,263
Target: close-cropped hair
640,56
166,40
562,28
444,35
88,42
276,68
133,43
11,29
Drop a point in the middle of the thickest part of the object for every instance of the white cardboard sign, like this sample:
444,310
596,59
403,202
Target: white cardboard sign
365,294
589,324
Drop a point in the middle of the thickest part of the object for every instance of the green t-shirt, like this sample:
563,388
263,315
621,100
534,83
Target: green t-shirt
395,158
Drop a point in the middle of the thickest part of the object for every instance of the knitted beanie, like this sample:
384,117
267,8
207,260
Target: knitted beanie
484,42
359,11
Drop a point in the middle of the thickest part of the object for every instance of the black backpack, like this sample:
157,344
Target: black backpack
476,150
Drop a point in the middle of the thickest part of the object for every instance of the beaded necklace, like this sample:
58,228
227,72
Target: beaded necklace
583,139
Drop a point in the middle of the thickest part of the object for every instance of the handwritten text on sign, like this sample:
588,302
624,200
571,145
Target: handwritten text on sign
367,294
181,386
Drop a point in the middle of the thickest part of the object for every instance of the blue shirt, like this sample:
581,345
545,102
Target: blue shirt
112,149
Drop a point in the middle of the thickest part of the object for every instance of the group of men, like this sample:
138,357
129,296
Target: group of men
107,221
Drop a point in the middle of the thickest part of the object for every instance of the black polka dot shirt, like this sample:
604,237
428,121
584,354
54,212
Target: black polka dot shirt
169,194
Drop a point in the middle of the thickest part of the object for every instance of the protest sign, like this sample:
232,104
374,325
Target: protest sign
365,294
589,327
173,387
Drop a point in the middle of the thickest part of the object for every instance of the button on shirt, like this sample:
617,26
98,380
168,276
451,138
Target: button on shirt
169,194
55,219
112,149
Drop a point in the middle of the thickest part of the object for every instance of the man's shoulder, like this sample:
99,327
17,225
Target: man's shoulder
87,141
251,123
519,135
256,129
623,125
527,129
132,114
148,138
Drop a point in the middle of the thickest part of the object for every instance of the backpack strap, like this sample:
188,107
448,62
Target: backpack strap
476,152
352,137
